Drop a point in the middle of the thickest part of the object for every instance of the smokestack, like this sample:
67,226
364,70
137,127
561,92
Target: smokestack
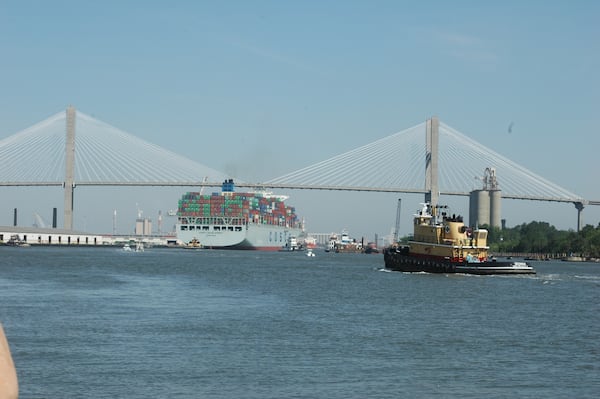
15,218
53,218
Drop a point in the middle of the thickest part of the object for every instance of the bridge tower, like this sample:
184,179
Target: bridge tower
432,141
69,183
579,206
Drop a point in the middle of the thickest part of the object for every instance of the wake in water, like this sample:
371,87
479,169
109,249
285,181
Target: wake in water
554,278
588,279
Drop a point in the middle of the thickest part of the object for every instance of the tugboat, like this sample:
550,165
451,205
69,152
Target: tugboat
371,248
444,244
291,245
194,244
344,245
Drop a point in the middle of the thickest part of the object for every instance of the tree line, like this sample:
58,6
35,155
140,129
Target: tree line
541,237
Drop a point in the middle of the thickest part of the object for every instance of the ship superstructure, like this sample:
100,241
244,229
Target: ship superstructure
445,237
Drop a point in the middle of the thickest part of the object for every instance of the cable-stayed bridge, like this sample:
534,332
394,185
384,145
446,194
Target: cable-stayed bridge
73,149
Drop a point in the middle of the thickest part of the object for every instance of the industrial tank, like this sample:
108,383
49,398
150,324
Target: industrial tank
495,208
479,207
485,205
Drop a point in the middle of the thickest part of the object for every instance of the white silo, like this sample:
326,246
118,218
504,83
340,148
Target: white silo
479,208
496,208
485,205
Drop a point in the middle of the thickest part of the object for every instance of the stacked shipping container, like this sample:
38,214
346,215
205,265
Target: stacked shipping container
252,207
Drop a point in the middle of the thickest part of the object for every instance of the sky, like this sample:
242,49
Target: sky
257,89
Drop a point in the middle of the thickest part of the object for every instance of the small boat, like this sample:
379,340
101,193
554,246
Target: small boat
308,242
345,244
310,253
130,247
444,244
371,248
333,239
193,244
16,241
291,245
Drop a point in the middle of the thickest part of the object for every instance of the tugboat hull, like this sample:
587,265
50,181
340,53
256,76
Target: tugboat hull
395,260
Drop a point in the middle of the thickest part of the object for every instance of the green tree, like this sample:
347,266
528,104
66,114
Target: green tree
541,237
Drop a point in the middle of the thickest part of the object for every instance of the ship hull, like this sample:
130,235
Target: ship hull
249,237
397,261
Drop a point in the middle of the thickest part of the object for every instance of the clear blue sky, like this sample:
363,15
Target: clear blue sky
261,88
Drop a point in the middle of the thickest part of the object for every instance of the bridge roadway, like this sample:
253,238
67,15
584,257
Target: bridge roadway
576,201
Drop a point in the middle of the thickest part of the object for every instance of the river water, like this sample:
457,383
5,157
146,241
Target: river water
171,323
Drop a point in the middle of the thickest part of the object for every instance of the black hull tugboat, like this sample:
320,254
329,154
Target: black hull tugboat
443,244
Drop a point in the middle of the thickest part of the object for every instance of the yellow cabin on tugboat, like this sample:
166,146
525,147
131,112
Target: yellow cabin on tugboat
439,235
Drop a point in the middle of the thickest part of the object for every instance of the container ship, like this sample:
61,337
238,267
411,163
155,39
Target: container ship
442,243
235,220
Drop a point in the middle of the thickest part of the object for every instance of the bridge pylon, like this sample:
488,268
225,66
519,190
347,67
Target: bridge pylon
579,206
432,141
69,183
